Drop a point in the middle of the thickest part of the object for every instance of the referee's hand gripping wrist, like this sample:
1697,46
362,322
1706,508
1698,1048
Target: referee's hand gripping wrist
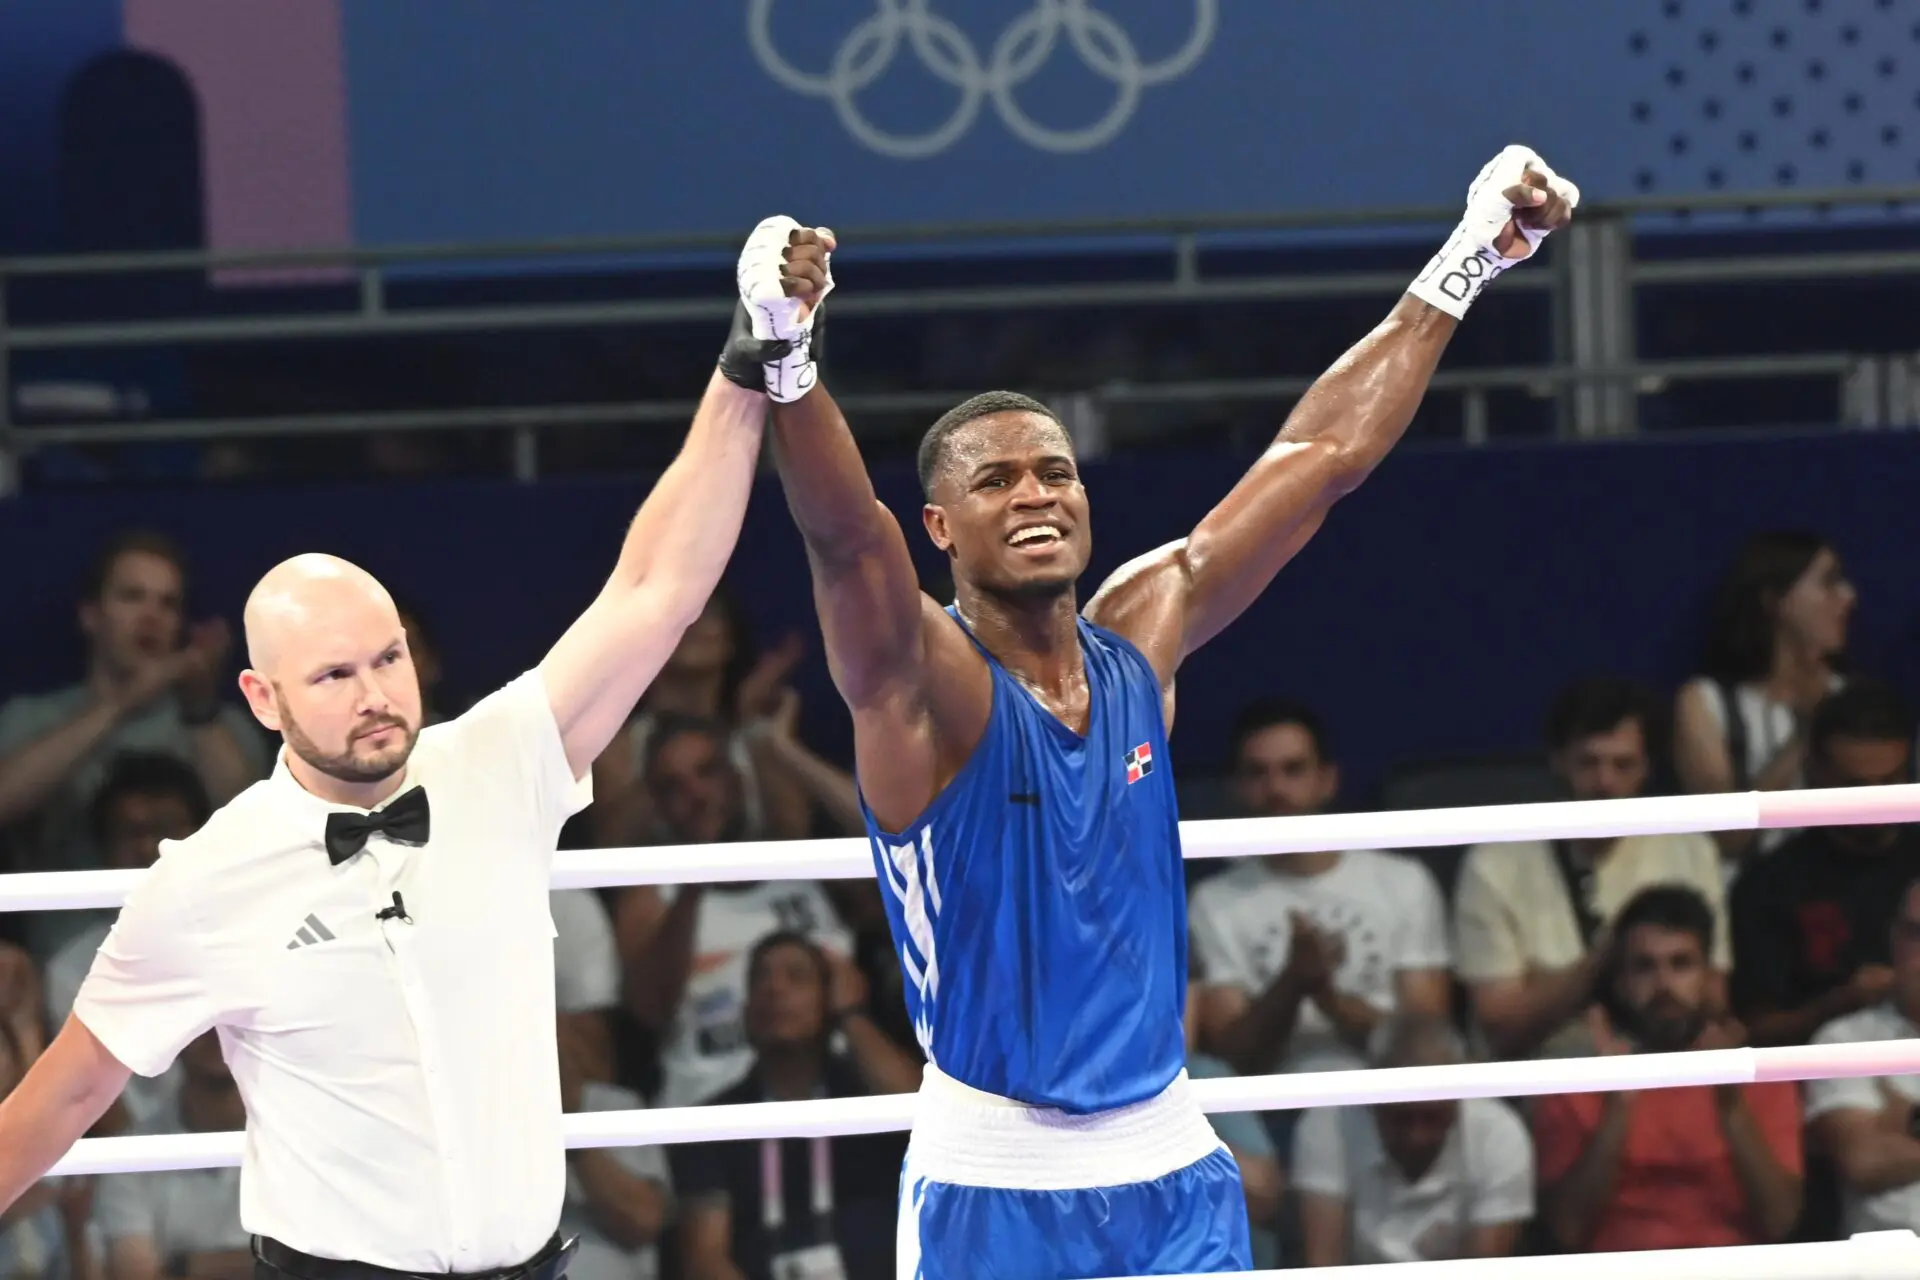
1516,202
784,274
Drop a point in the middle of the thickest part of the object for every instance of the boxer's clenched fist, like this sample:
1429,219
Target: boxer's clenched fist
1516,202
784,274
806,274
1537,201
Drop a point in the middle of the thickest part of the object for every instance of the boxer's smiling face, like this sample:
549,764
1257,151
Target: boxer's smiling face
1008,506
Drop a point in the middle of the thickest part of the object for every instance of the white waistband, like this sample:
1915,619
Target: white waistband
967,1138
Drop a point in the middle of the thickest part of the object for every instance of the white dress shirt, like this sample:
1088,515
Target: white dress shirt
400,1077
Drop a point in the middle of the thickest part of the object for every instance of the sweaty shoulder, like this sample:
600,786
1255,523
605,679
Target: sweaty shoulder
1141,602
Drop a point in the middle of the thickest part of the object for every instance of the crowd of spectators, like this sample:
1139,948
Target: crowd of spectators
731,993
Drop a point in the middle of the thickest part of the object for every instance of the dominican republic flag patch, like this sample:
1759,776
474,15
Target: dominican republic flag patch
1139,762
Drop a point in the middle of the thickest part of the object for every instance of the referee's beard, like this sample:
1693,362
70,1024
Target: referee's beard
356,766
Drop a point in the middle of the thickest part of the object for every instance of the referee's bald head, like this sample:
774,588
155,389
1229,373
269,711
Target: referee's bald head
297,594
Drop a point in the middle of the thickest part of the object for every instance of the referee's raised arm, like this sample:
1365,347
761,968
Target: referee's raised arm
669,564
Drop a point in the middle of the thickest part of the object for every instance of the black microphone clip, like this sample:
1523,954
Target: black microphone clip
398,911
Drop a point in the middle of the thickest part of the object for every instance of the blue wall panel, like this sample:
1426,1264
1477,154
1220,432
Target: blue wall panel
1437,612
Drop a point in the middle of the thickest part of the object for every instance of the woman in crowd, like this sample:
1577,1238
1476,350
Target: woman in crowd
1776,639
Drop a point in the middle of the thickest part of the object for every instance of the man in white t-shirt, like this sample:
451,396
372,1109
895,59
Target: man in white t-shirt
1413,1181
1871,1128
1531,919
1305,954
369,930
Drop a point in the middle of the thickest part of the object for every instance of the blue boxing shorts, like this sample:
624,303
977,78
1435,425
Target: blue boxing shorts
998,1190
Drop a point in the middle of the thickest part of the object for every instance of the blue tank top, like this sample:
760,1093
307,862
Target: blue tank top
1039,906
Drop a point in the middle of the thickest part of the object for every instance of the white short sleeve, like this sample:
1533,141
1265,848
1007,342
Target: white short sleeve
1858,1094
586,961
511,736
1500,1172
122,1209
1224,958
1422,937
153,987
1320,1154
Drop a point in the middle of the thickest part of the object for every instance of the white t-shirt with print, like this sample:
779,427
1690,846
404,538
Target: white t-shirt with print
706,1047
1385,907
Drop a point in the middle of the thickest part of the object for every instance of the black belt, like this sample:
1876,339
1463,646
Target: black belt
548,1264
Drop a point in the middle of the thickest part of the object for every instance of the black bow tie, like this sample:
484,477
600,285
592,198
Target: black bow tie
405,819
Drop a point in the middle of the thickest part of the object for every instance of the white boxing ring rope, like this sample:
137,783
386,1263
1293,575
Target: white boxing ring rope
1875,1255
1886,1254
852,859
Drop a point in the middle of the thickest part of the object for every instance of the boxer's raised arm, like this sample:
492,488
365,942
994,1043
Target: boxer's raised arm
864,582
1172,600
888,644
669,564
884,636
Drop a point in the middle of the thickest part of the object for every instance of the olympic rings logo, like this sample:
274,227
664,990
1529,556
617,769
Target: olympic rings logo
944,49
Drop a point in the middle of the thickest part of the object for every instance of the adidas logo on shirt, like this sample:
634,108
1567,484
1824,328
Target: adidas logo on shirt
310,932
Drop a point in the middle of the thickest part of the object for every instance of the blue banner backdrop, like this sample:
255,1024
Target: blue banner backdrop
494,119
501,119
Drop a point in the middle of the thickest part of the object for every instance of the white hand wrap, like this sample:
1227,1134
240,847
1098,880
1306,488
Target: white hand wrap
1468,261
777,317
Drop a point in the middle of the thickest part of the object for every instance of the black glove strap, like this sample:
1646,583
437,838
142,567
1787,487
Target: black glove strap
744,359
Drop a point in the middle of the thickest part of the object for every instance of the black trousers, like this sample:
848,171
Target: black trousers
275,1261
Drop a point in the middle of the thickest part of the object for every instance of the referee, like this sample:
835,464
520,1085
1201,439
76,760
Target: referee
368,929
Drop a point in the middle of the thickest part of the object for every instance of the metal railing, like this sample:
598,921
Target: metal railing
1594,378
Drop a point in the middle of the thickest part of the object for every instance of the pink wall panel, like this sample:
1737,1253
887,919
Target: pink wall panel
271,86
